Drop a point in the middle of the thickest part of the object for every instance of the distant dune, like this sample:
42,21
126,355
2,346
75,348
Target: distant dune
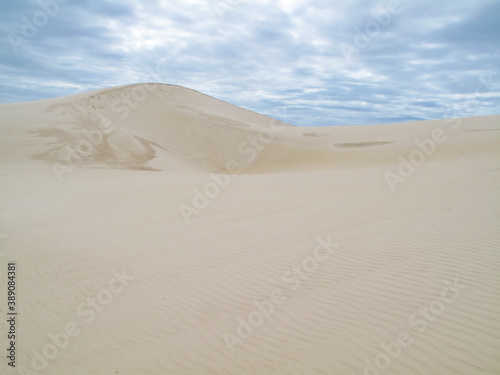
157,230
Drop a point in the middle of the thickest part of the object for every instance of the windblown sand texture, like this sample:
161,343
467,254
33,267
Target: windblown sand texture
304,260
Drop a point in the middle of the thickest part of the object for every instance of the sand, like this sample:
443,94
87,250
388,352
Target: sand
157,230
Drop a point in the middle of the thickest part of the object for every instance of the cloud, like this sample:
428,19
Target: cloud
421,60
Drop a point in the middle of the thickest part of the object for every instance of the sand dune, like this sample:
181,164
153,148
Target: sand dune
157,230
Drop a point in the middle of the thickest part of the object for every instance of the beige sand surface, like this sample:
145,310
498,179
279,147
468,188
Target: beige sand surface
327,250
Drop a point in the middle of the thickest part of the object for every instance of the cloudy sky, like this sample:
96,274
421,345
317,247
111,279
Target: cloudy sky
307,62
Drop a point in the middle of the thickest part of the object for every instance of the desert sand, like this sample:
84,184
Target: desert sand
157,230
